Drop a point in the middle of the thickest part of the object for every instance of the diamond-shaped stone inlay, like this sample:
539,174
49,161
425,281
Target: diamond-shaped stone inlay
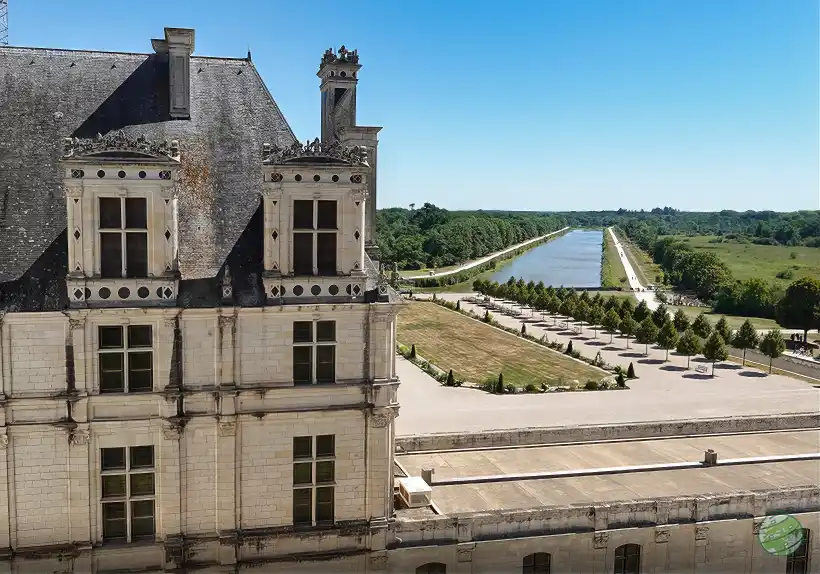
357,235
274,291
77,233
274,235
78,293
167,234
356,289
167,293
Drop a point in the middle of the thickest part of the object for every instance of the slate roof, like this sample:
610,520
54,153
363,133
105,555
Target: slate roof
46,95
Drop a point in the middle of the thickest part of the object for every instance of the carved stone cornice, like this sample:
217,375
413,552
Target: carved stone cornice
78,323
172,431
662,536
315,152
701,532
78,437
118,141
227,321
227,428
4,441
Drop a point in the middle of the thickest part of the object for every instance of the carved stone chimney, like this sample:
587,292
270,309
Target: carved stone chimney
178,45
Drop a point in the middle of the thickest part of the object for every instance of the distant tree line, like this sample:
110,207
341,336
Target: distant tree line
431,237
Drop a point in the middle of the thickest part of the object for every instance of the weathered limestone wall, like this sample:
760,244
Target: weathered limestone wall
584,433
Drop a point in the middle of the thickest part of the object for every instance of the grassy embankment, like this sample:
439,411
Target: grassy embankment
475,351
647,271
613,274
747,260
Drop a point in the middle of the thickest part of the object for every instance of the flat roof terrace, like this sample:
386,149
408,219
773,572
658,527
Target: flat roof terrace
486,473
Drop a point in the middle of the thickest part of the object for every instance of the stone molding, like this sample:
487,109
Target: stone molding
383,417
701,532
4,441
78,437
464,555
315,150
227,321
171,432
119,141
76,323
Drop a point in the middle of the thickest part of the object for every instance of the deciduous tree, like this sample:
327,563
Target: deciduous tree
800,306
702,327
772,345
689,345
681,321
715,350
628,327
595,316
641,311
668,337
611,322
659,315
647,333
746,338
722,328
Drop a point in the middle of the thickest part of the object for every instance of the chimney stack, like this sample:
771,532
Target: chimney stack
178,45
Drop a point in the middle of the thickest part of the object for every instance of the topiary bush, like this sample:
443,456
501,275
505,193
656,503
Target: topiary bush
451,380
630,372
499,385
413,351
621,380
569,348
591,385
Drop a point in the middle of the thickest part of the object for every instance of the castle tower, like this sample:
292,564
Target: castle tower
339,77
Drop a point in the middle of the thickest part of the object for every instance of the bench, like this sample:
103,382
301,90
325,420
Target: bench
701,368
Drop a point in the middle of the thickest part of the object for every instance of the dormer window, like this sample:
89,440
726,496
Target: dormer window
314,237
123,232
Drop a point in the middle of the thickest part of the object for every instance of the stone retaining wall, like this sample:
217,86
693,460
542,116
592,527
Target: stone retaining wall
785,362
552,435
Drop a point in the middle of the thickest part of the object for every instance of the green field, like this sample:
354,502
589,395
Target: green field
647,270
612,270
747,260
734,321
476,351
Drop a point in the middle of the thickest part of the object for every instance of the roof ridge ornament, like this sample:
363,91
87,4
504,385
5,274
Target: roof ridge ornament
341,56
119,141
332,151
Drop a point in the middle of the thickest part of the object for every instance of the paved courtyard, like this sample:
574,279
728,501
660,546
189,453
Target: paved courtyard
664,391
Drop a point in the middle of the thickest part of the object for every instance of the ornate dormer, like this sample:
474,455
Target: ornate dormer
315,197
122,232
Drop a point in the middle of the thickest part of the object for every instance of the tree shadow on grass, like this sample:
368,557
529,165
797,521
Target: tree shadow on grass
698,376
650,361
753,374
673,368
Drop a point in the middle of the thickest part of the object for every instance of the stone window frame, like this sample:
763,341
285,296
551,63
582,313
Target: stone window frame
321,461
536,563
125,350
314,232
432,568
799,561
123,231
623,554
314,344
128,472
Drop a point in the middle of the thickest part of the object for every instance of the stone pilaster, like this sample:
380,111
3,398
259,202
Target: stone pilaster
227,488
168,501
7,518
79,487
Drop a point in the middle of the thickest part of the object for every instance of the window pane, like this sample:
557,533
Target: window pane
326,331
302,508
326,215
110,214
325,364
302,447
110,337
302,365
142,456
112,458
136,254
110,255
303,473
114,520
303,253
139,336
325,471
142,518
111,373
139,372
324,504
113,486
142,484
325,445
136,213
303,214
302,332
326,253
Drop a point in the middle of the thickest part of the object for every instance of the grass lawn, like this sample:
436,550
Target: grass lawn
612,270
747,260
476,351
465,286
734,321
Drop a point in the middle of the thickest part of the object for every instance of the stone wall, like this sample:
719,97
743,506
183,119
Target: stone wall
790,363
591,433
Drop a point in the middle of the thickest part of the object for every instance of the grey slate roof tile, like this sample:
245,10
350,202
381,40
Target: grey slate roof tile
46,95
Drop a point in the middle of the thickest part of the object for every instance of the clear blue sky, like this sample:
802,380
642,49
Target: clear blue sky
542,105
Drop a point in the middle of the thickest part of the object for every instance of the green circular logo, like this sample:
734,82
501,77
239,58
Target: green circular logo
780,535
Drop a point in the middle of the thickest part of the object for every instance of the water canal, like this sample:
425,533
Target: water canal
572,260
